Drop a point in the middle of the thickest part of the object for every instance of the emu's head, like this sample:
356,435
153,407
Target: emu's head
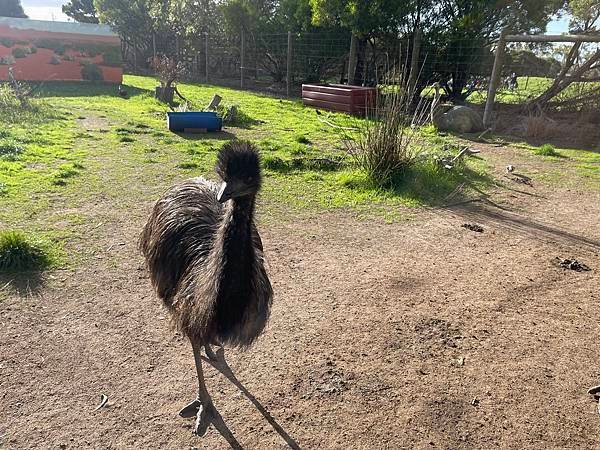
238,165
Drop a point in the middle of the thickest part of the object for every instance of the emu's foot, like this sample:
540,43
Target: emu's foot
206,415
191,409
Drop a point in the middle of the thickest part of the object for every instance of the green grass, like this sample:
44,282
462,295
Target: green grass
74,181
546,150
22,253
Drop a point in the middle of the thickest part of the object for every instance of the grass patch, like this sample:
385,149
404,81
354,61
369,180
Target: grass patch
126,139
546,150
21,253
188,165
65,172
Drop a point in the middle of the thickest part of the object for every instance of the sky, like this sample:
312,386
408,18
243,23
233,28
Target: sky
50,10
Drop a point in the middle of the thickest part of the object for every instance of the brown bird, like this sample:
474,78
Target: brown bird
206,262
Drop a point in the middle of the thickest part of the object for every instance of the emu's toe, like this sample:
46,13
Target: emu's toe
204,418
190,410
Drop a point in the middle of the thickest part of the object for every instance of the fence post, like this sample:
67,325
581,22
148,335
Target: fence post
153,44
288,77
414,62
495,78
352,60
242,60
206,56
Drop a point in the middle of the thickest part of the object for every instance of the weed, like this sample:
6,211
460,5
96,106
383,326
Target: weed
546,150
19,253
126,139
10,150
301,139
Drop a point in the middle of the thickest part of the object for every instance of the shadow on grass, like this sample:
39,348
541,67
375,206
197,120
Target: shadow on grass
86,89
426,183
219,135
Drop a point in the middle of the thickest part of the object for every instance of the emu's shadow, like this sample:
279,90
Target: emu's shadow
222,366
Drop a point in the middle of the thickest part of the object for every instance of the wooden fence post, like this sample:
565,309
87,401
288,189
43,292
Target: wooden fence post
352,60
288,77
495,79
242,59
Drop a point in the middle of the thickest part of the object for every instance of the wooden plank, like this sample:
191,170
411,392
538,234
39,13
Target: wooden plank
328,105
335,98
325,89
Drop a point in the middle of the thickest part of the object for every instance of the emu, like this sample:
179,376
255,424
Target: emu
461,119
206,263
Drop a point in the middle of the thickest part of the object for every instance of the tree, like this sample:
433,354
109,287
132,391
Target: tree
580,64
81,11
12,8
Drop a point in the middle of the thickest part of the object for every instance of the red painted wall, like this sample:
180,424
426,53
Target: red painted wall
69,54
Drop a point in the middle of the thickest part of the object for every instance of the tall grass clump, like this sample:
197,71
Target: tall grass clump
15,109
386,144
19,253
546,150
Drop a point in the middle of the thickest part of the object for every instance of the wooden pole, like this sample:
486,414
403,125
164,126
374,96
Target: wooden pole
494,79
206,56
153,44
414,62
552,38
288,77
352,60
242,60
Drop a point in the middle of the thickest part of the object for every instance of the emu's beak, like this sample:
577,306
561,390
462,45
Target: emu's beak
224,193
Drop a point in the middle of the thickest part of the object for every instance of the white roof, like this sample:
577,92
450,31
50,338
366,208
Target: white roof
57,27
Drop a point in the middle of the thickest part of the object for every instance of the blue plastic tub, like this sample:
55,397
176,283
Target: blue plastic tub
193,122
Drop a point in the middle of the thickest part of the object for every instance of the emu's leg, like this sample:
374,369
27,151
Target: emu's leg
202,407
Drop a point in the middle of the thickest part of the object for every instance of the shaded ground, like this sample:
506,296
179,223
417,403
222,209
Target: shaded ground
419,334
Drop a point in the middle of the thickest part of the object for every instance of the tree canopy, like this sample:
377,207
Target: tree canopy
12,8
81,11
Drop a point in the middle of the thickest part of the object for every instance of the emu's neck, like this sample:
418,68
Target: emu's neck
236,234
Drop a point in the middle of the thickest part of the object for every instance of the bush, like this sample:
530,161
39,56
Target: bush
55,60
20,52
7,60
91,72
546,150
384,145
7,42
19,253
33,49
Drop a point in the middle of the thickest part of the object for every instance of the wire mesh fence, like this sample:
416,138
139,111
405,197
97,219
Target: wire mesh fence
282,62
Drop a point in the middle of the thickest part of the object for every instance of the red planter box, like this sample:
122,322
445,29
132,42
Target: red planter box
339,97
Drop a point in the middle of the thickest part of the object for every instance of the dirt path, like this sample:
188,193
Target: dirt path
420,334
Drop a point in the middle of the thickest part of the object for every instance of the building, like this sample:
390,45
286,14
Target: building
39,50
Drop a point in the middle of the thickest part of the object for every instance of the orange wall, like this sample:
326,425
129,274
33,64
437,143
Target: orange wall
37,66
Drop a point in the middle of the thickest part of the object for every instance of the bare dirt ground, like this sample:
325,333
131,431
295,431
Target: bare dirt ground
420,334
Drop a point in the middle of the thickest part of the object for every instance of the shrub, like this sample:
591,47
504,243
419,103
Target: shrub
55,60
546,150
33,49
91,72
20,253
384,145
67,57
20,52
7,42
7,60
